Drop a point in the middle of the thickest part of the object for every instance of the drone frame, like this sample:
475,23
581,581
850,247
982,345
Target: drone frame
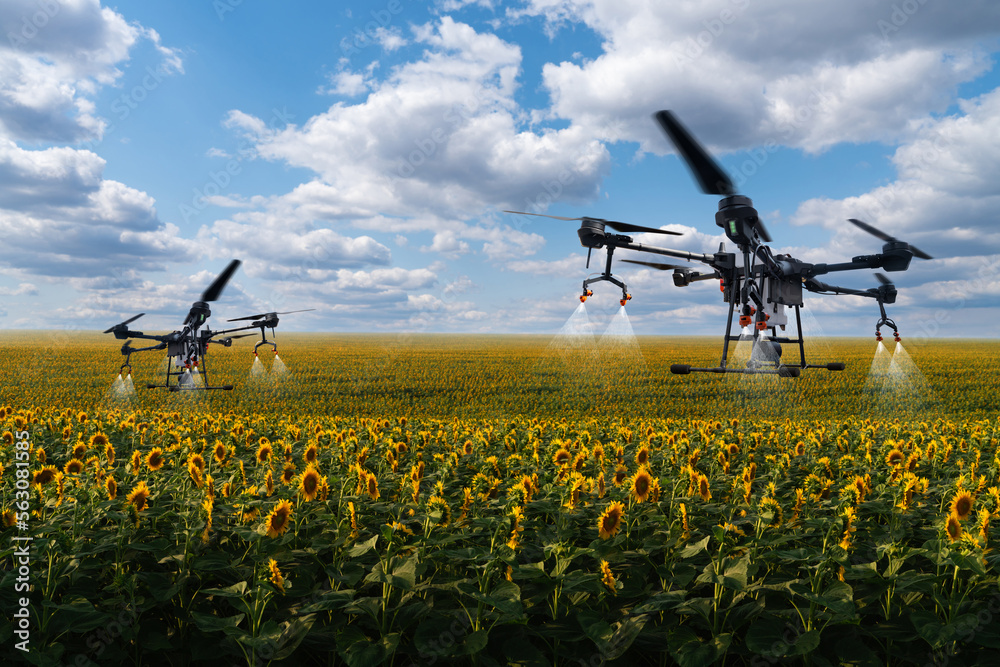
763,284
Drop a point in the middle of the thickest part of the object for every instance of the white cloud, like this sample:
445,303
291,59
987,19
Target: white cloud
462,147
744,73
54,57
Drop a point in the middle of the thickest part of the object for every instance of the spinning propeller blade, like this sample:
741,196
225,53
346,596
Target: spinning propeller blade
125,323
260,315
214,290
613,224
882,278
878,233
710,176
655,265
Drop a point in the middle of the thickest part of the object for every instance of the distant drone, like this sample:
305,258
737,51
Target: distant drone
187,349
763,284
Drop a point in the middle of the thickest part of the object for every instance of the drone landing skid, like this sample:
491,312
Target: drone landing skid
761,367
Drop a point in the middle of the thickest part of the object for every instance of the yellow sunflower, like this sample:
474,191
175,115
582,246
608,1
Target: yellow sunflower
45,475
278,520
895,457
111,486
98,440
73,467
642,456
562,457
312,451
607,578
155,460
961,504
309,484
219,452
139,496
611,520
703,490
276,577
371,486
79,450
264,452
954,527
642,482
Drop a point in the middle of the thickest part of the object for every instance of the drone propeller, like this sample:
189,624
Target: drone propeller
213,291
260,315
620,226
878,233
655,265
882,278
711,177
124,324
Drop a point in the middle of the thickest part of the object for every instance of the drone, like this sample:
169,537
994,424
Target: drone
754,280
187,349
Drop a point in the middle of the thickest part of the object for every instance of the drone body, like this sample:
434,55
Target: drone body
760,284
187,348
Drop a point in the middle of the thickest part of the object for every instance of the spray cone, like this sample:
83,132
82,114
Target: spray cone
278,368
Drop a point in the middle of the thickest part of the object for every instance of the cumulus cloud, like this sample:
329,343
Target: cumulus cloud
745,73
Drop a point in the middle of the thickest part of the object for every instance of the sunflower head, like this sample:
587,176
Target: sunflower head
953,527
371,486
703,490
278,520
309,484
155,460
562,457
287,473
312,452
73,467
607,577
642,482
642,456
139,496
961,504
45,475
98,440
276,577
895,457
79,450
219,452
611,520
111,486
264,451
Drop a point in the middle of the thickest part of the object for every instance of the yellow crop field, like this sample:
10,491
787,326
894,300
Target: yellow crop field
398,499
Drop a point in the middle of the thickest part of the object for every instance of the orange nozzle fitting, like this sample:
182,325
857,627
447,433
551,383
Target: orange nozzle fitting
744,320
625,299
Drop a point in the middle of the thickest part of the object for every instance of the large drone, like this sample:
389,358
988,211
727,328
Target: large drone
187,349
756,281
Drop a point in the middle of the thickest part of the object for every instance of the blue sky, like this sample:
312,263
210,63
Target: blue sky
358,156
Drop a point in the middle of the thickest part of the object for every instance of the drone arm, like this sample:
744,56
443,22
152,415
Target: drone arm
822,288
680,254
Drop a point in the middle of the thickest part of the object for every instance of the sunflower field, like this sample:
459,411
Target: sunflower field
417,500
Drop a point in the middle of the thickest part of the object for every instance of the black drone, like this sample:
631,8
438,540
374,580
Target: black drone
763,283
187,349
